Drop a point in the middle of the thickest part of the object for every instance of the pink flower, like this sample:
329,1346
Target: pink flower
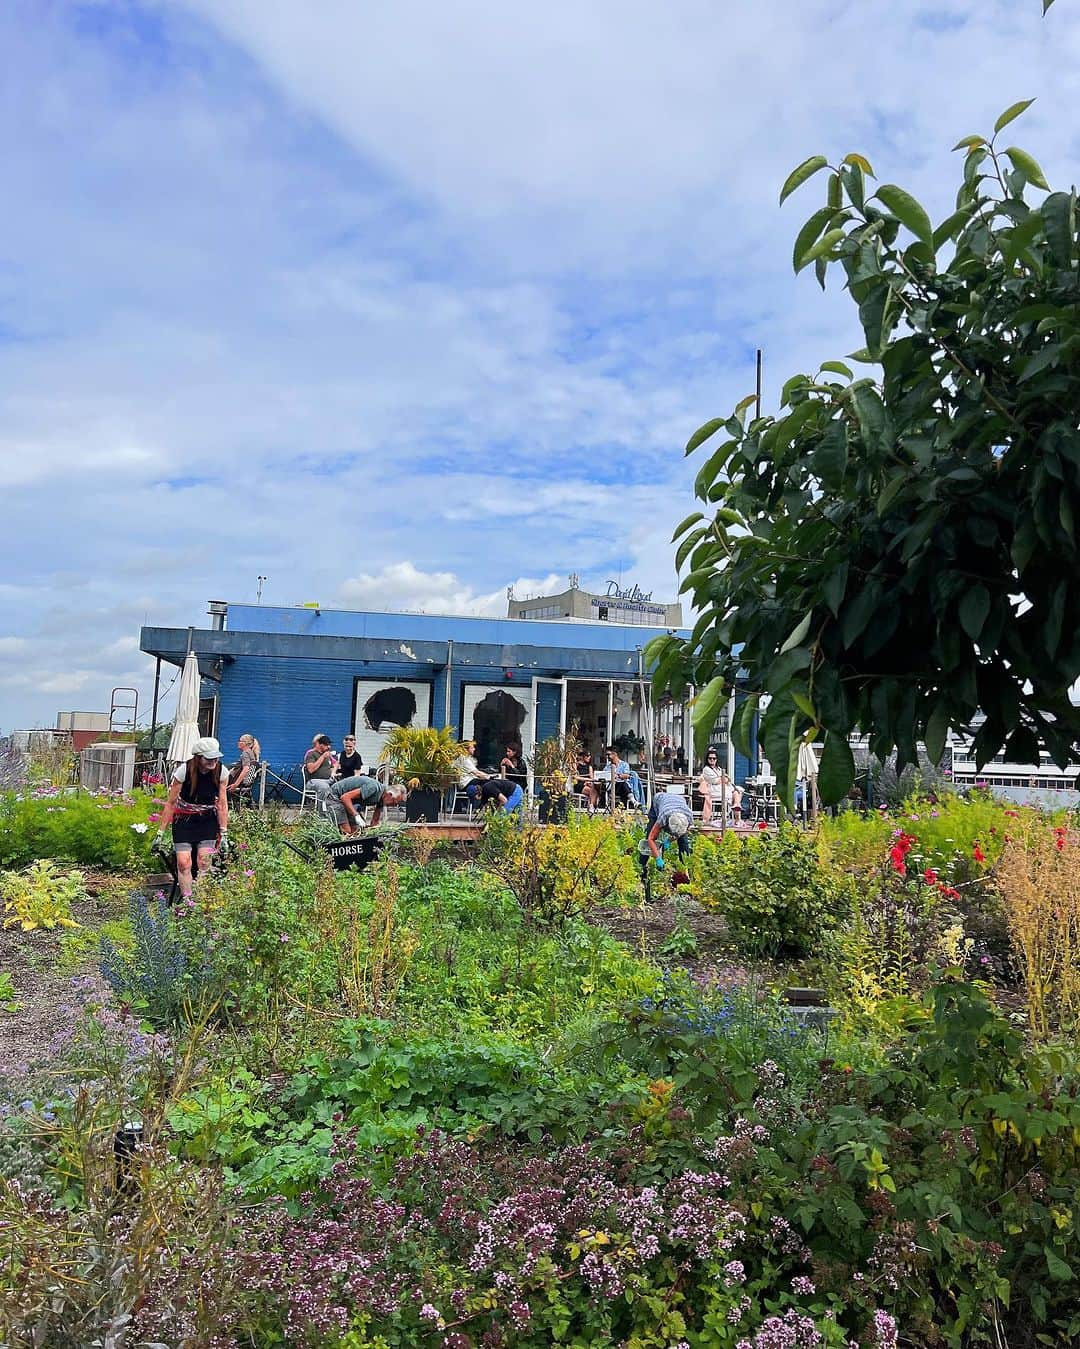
249,874
154,818
284,937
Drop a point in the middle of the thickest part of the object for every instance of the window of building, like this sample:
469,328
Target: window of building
543,611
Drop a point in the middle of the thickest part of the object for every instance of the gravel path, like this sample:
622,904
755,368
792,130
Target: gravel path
45,1005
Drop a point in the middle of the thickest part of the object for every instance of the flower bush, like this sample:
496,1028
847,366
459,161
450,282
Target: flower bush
421,1111
93,829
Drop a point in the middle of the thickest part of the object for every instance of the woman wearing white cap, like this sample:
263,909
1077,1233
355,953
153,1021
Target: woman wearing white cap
198,809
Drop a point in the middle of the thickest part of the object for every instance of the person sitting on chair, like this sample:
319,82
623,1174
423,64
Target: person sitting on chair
349,764
243,773
718,792
467,768
348,797
617,775
512,766
585,783
319,766
499,792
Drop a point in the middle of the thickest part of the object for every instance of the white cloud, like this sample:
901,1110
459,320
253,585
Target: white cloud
401,585
398,302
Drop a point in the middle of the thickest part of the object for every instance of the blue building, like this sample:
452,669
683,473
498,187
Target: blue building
286,674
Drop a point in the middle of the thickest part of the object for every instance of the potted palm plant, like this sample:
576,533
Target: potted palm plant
425,759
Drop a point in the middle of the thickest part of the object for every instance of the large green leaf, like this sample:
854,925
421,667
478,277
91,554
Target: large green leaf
743,722
706,709
858,611
1028,167
937,728
1059,220
908,211
687,546
703,433
870,411
1012,113
784,667
836,771
825,244
798,176
691,519
974,608
830,457
798,633
809,235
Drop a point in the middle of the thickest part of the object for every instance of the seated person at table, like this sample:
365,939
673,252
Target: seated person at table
348,797
349,764
678,764
669,813
467,769
319,765
617,773
585,782
717,790
499,792
512,766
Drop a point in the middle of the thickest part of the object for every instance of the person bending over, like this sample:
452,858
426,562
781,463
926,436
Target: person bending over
350,796
669,814
499,792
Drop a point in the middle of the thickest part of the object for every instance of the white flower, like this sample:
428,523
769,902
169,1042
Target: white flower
140,828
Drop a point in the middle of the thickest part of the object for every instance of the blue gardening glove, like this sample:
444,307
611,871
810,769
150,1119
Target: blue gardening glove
223,846
660,863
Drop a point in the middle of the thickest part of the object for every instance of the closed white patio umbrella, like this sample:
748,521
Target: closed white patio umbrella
808,770
186,726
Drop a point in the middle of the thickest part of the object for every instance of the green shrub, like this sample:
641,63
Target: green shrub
99,830
776,898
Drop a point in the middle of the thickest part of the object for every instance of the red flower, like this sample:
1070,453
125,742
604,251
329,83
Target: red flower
761,824
978,853
899,851
929,875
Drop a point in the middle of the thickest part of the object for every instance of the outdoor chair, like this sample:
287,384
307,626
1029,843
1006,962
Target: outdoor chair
310,797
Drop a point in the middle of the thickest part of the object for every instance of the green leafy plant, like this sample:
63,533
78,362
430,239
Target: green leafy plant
895,553
423,756
556,871
98,830
41,896
8,1001
776,898
166,971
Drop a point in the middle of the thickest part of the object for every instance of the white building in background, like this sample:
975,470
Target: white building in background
618,604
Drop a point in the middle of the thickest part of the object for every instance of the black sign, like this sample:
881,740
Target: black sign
354,852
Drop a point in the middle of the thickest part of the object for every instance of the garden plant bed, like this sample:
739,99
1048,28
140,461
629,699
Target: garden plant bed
433,1058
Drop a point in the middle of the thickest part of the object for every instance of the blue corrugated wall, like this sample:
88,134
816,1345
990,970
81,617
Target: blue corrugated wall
285,701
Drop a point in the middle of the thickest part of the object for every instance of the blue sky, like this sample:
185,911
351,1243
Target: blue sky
398,305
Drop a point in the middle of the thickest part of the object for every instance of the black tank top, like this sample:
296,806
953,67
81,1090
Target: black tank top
205,792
